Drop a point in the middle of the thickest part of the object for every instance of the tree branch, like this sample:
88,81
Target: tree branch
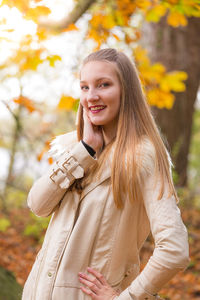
80,8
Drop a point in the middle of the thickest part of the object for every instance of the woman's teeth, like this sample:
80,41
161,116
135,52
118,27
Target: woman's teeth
97,108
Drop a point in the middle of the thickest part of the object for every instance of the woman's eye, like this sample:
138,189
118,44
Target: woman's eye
104,84
84,87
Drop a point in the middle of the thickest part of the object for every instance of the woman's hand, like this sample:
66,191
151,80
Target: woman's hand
92,135
96,286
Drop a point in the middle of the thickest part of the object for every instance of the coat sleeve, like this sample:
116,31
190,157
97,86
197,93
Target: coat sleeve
171,253
48,190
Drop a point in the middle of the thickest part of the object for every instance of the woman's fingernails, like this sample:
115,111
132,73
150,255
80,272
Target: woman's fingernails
80,274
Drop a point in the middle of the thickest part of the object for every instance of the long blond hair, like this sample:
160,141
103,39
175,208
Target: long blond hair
135,123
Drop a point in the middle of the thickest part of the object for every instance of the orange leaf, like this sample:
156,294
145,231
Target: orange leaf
116,37
71,27
50,160
27,103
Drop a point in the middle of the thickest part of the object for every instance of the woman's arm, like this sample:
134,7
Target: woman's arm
48,190
171,253
171,246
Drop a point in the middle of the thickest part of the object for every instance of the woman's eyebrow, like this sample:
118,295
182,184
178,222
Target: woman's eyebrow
97,79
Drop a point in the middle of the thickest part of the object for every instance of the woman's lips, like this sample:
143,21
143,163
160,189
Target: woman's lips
97,108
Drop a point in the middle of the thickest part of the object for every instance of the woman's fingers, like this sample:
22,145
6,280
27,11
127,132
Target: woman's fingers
89,293
91,280
98,275
96,286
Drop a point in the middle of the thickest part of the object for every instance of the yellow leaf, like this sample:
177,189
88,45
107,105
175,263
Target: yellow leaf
176,19
42,33
173,81
22,5
31,63
36,12
108,22
152,74
66,103
154,14
160,98
143,4
140,55
52,59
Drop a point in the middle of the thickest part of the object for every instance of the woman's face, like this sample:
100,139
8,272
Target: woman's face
100,92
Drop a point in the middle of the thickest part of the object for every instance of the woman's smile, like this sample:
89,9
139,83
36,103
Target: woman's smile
97,108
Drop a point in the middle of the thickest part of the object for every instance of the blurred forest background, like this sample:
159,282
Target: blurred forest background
42,44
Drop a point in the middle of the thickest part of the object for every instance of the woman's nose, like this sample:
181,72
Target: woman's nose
92,95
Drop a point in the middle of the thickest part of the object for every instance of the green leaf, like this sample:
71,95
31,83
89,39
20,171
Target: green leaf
4,224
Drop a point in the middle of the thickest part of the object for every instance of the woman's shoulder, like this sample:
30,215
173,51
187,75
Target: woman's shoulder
146,155
146,148
62,143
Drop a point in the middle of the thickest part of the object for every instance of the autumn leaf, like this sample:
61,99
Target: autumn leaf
66,103
154,14
71,27
173,81
116,37
159,98
36,12
22,5
52,59
44,150
42,34
143,4
176,19
27,103
50,160
31,63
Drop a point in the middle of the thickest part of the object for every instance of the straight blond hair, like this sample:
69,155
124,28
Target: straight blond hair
135,124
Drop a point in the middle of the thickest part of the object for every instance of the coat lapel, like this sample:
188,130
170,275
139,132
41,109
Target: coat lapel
105,175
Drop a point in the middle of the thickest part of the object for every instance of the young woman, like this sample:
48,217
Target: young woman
109,186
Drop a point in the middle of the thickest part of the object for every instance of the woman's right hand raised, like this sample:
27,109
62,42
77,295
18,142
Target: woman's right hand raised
92,134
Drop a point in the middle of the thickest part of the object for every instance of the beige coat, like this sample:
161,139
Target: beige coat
88,230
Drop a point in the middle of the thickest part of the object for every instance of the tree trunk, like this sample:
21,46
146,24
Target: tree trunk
177,49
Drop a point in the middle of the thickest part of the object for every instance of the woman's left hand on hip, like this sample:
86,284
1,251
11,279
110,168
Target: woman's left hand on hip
96,286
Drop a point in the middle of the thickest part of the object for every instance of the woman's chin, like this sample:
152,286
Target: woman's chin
96,122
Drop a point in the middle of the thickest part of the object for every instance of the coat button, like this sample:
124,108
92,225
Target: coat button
49,274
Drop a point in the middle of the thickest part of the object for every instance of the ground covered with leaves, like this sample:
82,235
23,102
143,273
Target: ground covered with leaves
19,246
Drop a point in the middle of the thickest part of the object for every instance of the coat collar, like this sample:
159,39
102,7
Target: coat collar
91,186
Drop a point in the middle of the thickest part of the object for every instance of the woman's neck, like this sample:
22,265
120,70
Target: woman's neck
109,133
